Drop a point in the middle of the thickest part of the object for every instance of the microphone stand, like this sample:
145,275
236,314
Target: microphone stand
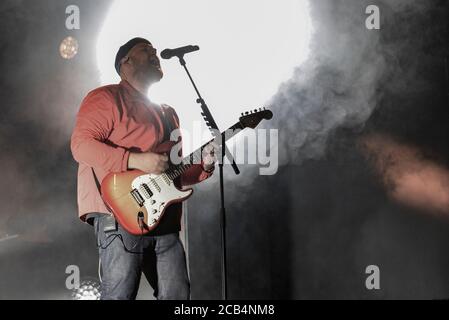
224,151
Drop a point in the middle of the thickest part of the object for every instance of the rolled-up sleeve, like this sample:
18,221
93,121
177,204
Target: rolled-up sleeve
94,123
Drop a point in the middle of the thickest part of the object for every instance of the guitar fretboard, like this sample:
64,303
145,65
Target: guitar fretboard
196,156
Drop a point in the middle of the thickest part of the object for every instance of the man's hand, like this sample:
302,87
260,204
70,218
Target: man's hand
209,157
148,162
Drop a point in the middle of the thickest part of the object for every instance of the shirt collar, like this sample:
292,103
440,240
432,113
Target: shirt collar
133,92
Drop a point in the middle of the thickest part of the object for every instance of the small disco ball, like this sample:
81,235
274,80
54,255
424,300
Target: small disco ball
68,48
88,290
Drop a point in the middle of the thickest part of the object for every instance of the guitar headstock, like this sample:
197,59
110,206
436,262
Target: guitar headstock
250,119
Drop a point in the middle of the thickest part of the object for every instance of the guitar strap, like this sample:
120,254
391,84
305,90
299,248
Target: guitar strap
99,189
168,125
96,181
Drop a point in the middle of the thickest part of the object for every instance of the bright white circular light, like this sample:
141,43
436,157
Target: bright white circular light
247,49
88,290
68,48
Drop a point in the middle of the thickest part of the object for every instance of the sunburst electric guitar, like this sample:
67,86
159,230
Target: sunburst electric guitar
138,200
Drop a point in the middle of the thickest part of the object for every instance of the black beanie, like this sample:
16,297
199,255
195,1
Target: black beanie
123,51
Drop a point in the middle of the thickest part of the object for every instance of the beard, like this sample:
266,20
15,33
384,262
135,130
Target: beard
148,73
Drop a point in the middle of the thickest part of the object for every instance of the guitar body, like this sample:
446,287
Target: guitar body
133,193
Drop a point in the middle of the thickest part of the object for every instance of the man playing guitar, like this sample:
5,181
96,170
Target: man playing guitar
118,128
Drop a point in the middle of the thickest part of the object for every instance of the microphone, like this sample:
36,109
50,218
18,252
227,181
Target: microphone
178,52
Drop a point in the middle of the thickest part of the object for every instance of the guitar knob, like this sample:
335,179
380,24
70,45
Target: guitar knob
152,202
154,211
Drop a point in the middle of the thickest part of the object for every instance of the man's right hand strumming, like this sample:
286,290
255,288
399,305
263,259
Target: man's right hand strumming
148,162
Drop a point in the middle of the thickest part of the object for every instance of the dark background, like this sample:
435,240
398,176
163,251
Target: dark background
307,232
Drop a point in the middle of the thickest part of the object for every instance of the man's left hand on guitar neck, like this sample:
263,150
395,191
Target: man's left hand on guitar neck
209,157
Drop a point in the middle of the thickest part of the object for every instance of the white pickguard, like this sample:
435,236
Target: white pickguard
162,191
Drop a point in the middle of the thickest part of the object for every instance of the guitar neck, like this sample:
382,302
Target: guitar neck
196,156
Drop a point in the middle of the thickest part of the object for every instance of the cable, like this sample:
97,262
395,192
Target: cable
140,218
99,269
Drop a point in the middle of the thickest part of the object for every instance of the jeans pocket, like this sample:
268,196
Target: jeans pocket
105,228
98,230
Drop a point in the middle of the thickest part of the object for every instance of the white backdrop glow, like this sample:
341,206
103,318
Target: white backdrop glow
247,49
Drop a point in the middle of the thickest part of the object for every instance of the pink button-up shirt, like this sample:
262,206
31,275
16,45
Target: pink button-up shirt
113,121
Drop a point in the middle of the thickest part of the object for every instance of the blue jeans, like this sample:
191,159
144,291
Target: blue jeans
124,257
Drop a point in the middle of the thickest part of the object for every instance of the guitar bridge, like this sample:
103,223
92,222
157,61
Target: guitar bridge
137,197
